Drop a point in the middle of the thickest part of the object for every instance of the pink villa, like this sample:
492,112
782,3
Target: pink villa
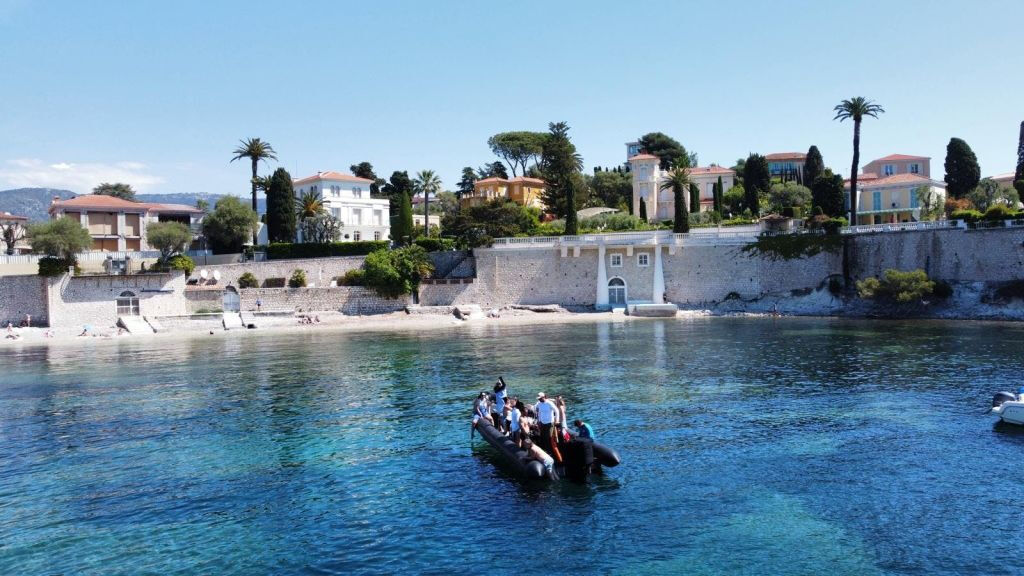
118,225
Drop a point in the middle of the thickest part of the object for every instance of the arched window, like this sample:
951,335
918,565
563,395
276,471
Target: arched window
617,292
127,304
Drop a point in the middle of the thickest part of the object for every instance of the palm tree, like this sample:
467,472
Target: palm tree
678,181
856,108
256,150
427,183
309,204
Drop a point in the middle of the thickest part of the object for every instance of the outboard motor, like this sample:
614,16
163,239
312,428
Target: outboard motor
999,397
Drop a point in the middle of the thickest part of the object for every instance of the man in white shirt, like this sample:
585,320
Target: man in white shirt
546,412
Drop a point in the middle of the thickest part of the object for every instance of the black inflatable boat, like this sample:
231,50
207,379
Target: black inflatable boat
580,456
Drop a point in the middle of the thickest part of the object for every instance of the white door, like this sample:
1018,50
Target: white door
231,301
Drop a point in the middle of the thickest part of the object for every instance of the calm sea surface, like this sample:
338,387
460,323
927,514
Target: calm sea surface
749,446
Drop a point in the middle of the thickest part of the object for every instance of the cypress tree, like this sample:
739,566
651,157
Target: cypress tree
718,195
401,230
962,170
756,181
281,217
694,199
814,166
1018,177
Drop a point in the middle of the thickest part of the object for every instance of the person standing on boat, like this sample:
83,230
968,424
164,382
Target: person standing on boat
546,415
513,425
499,404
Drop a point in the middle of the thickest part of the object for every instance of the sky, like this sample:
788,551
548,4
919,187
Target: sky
158,94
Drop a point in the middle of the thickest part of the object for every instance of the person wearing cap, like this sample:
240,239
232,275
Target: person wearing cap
546,415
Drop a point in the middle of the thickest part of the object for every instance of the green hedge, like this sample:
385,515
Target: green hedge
53,266
969,216
248,280
284,251
436,244
1000,212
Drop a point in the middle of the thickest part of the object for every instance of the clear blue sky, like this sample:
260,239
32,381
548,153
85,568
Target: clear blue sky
158,93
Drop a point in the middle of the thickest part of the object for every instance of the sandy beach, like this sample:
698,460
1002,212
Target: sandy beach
329,322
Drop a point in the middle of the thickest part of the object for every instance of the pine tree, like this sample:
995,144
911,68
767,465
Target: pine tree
281,220
962,170
814,166
561,165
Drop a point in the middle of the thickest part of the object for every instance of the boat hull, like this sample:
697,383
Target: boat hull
1011,412
520,461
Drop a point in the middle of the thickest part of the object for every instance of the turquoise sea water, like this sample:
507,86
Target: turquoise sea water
749,446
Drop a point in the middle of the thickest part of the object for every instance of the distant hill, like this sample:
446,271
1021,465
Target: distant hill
35,202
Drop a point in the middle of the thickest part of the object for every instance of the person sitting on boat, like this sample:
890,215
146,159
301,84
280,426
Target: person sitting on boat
480,412
1020,394
541,456
583,429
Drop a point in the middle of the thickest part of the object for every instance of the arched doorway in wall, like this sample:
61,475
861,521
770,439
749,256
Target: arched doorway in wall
616,292
127,304
230,300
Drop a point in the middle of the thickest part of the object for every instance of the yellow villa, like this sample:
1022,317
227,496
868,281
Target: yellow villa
521,190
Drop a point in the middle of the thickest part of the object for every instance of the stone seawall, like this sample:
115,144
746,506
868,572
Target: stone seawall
350,300
21,295
78,300
319,271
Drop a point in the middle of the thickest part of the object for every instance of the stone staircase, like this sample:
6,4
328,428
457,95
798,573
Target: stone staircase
233,321
135,324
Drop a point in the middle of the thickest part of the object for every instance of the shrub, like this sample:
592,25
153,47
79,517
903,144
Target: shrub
283,251
298,279
248,280
956,205
274,283
969,216
53,266
999,212
354,277
181,262
898,286
396,272
942,289
835,285
435,244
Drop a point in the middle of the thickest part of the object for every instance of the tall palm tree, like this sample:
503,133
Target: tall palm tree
426,183
678,181
256,150
309,204
856,108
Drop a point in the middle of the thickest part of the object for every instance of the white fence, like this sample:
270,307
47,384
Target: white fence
902,227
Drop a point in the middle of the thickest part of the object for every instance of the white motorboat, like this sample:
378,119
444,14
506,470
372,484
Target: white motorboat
1009,407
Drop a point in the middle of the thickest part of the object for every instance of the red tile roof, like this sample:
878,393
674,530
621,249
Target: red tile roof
524,179
710,170
331,175
102,202
643,157
892,157
894,180
785,156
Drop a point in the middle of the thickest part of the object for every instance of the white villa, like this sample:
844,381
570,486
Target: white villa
347,198
648,176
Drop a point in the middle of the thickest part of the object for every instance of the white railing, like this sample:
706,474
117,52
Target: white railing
100,256
701,236
901,226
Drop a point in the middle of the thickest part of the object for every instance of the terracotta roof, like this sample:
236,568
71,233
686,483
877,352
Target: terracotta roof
891,157
867,176
710,170
1008,177
331,175
489,180
98,201
9,216
643,157
896,179
102,202
785,156
509,180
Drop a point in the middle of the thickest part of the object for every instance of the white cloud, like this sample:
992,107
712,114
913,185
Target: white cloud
77,177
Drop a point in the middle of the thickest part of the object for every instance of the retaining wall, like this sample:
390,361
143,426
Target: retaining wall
21,295
351,300
78,300
319,271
